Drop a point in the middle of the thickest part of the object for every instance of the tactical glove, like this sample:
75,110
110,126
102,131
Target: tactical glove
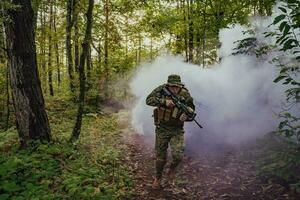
183,117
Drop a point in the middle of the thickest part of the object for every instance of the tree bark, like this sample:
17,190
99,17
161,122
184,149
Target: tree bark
88,67
106,70
69,45
178,41
43,49
85,47
56,46
204,35
76,39
31,117
191,31
185,19
99,75
51,90
7,100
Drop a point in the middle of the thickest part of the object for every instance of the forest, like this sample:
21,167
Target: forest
75,87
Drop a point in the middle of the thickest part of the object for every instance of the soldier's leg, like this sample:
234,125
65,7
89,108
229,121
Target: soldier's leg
177,147
161,147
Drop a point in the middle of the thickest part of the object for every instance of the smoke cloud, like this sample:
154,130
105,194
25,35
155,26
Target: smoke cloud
236,100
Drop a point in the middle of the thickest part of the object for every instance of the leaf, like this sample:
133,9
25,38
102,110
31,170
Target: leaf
278,18
287,81
279,78
282,25
287,28
284,40
283,70
288,44
282,9
281,38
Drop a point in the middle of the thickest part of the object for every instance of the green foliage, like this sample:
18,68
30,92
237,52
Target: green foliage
289,43
283,165
251,46
90,169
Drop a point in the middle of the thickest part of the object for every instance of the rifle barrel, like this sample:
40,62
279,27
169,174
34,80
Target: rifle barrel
198,123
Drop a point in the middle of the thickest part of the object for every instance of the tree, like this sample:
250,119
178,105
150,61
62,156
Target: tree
288,40
31,117
70,23
51,90
85,48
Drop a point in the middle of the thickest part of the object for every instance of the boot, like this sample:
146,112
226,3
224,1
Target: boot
171,173
171,176
156,184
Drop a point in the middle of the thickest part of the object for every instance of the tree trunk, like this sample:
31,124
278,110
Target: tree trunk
7,100
88,67
31,117
178,41
43,50
83,56
69,45
106,69
185,19
99,76
76,42
140,49
191,32
56,46
204,35
51,91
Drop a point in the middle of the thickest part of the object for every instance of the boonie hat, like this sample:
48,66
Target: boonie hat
174,80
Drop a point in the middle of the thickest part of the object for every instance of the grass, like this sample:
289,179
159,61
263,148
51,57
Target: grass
89,169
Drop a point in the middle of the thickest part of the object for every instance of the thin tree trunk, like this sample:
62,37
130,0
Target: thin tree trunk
185,19
204,35
140,49
191,31
76,47
178,41
83,56
151,48
7,100
43,49
88,67
69,45
99,76
56,47
31,117
51,90
106,69
76,38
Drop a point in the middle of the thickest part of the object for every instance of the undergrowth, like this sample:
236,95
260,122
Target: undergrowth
89,169
281,162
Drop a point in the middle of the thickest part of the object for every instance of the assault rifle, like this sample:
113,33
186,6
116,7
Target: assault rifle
181,106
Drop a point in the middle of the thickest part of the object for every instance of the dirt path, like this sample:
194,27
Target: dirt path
231,175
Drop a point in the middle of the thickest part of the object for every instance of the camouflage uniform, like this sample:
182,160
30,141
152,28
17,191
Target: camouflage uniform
169,130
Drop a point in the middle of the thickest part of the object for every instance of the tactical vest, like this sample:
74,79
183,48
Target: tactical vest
169,116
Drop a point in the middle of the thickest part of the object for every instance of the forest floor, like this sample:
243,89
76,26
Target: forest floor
112,161
229,173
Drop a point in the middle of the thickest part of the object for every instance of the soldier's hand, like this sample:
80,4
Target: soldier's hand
183,117
170,103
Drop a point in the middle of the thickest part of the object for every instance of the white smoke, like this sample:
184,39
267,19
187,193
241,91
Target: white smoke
236,100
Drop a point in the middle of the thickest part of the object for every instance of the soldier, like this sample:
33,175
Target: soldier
169,121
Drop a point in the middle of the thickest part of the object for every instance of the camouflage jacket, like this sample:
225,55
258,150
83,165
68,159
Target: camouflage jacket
157,99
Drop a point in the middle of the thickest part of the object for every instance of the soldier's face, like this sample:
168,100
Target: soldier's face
174,89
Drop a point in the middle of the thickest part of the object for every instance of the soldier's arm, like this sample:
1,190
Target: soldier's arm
155,98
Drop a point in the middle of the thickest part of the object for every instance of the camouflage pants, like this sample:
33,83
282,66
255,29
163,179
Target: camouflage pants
166,135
